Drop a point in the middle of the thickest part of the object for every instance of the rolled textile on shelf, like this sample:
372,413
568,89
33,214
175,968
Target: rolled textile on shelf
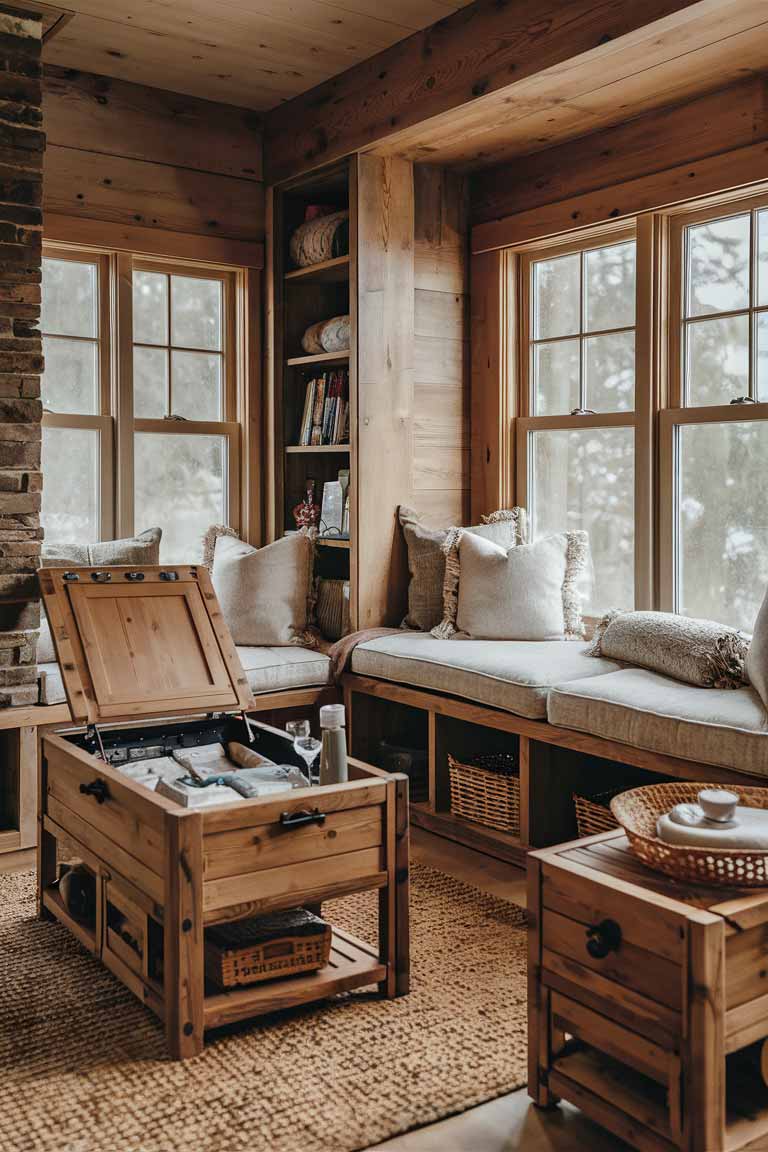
322,238
327,336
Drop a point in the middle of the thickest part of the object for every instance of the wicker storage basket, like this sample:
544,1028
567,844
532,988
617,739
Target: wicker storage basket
249,951
593,813
487,791
637,812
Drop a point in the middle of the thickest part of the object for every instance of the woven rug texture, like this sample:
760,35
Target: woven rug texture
84,1069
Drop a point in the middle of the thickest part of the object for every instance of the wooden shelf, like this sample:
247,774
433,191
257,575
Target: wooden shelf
320,358
352,964
333,543
502,845
334,271
301,449
54,903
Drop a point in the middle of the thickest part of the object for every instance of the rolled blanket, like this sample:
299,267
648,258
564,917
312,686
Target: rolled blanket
320,239
327,336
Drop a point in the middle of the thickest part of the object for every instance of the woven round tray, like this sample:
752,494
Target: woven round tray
637,812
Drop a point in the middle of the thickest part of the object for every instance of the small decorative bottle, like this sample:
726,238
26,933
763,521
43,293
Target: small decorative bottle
333,756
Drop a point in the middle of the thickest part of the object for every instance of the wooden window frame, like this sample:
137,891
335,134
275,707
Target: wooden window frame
101,422
639,419
677,413
116,422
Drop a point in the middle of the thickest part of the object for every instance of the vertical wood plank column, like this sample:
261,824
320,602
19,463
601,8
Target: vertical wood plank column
385,390
705,1063
183,958
493,385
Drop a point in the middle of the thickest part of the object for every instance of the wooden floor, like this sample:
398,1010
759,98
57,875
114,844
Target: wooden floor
510,1123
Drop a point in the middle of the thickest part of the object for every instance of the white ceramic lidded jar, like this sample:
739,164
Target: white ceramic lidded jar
333,756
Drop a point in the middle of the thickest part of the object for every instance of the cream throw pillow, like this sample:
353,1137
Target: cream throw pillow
141,549
523,593
427,559
264,592
757,656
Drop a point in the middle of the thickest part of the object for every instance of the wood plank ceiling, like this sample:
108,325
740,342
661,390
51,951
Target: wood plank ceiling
249,53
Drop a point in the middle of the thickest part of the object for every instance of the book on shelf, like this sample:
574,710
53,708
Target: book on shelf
325,418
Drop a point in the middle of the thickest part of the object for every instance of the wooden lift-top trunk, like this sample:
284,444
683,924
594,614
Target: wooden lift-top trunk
148,662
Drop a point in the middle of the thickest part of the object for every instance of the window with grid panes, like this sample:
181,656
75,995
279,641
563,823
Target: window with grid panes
576,441
715,432
167,418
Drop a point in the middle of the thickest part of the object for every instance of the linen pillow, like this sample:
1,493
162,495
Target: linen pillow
427,559
264,593
523,593
700,652
757,656
141,549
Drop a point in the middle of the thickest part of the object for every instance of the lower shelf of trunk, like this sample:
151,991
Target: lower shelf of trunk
352,964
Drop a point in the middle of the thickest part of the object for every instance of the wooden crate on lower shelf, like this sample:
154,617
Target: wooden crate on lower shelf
352,964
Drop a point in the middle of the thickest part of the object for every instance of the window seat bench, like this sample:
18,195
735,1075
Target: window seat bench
577,724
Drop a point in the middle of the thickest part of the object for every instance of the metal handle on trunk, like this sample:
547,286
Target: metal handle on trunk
299,819
98,789
603,938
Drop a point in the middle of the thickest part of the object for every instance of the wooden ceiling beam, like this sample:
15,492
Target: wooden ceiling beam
477,56
703,146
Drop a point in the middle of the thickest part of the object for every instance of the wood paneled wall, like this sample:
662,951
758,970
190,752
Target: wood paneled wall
441,349
144,162
696,148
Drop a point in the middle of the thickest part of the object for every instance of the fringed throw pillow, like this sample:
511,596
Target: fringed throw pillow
524,593
507,528
427,559
700,652
757,657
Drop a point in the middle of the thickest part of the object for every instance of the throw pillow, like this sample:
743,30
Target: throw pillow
264,593
141,549
524,593
427,559
700,652
757,656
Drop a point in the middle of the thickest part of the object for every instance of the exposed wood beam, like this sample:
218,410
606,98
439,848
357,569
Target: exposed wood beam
123,119
707,145
476,57
137,239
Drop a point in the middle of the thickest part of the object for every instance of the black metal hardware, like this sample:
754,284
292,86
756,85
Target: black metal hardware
70,577
603,938
101,577
98,789
134,576
299,819
169,575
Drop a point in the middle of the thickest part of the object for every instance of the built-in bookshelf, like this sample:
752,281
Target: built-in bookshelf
313,392
372,283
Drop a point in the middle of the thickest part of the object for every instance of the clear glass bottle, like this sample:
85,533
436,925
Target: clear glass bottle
333,757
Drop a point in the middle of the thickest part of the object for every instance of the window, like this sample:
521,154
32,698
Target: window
576,438
77,434
715,432
146,432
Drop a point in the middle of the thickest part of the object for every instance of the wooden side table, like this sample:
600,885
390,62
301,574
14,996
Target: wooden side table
642,993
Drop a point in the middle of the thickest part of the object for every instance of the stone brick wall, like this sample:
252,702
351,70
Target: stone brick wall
22,143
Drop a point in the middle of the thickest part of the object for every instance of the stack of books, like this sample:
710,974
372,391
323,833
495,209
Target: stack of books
326,410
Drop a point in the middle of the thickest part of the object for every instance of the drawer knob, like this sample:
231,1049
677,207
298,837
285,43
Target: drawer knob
299,819
603,938
97,788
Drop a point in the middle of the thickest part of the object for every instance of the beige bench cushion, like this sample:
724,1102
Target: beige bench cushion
720,726
514,675
267,669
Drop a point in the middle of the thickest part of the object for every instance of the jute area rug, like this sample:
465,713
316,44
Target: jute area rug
83,1066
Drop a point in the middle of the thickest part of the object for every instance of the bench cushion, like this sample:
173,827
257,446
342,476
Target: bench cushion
719,726
267,669
514,675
